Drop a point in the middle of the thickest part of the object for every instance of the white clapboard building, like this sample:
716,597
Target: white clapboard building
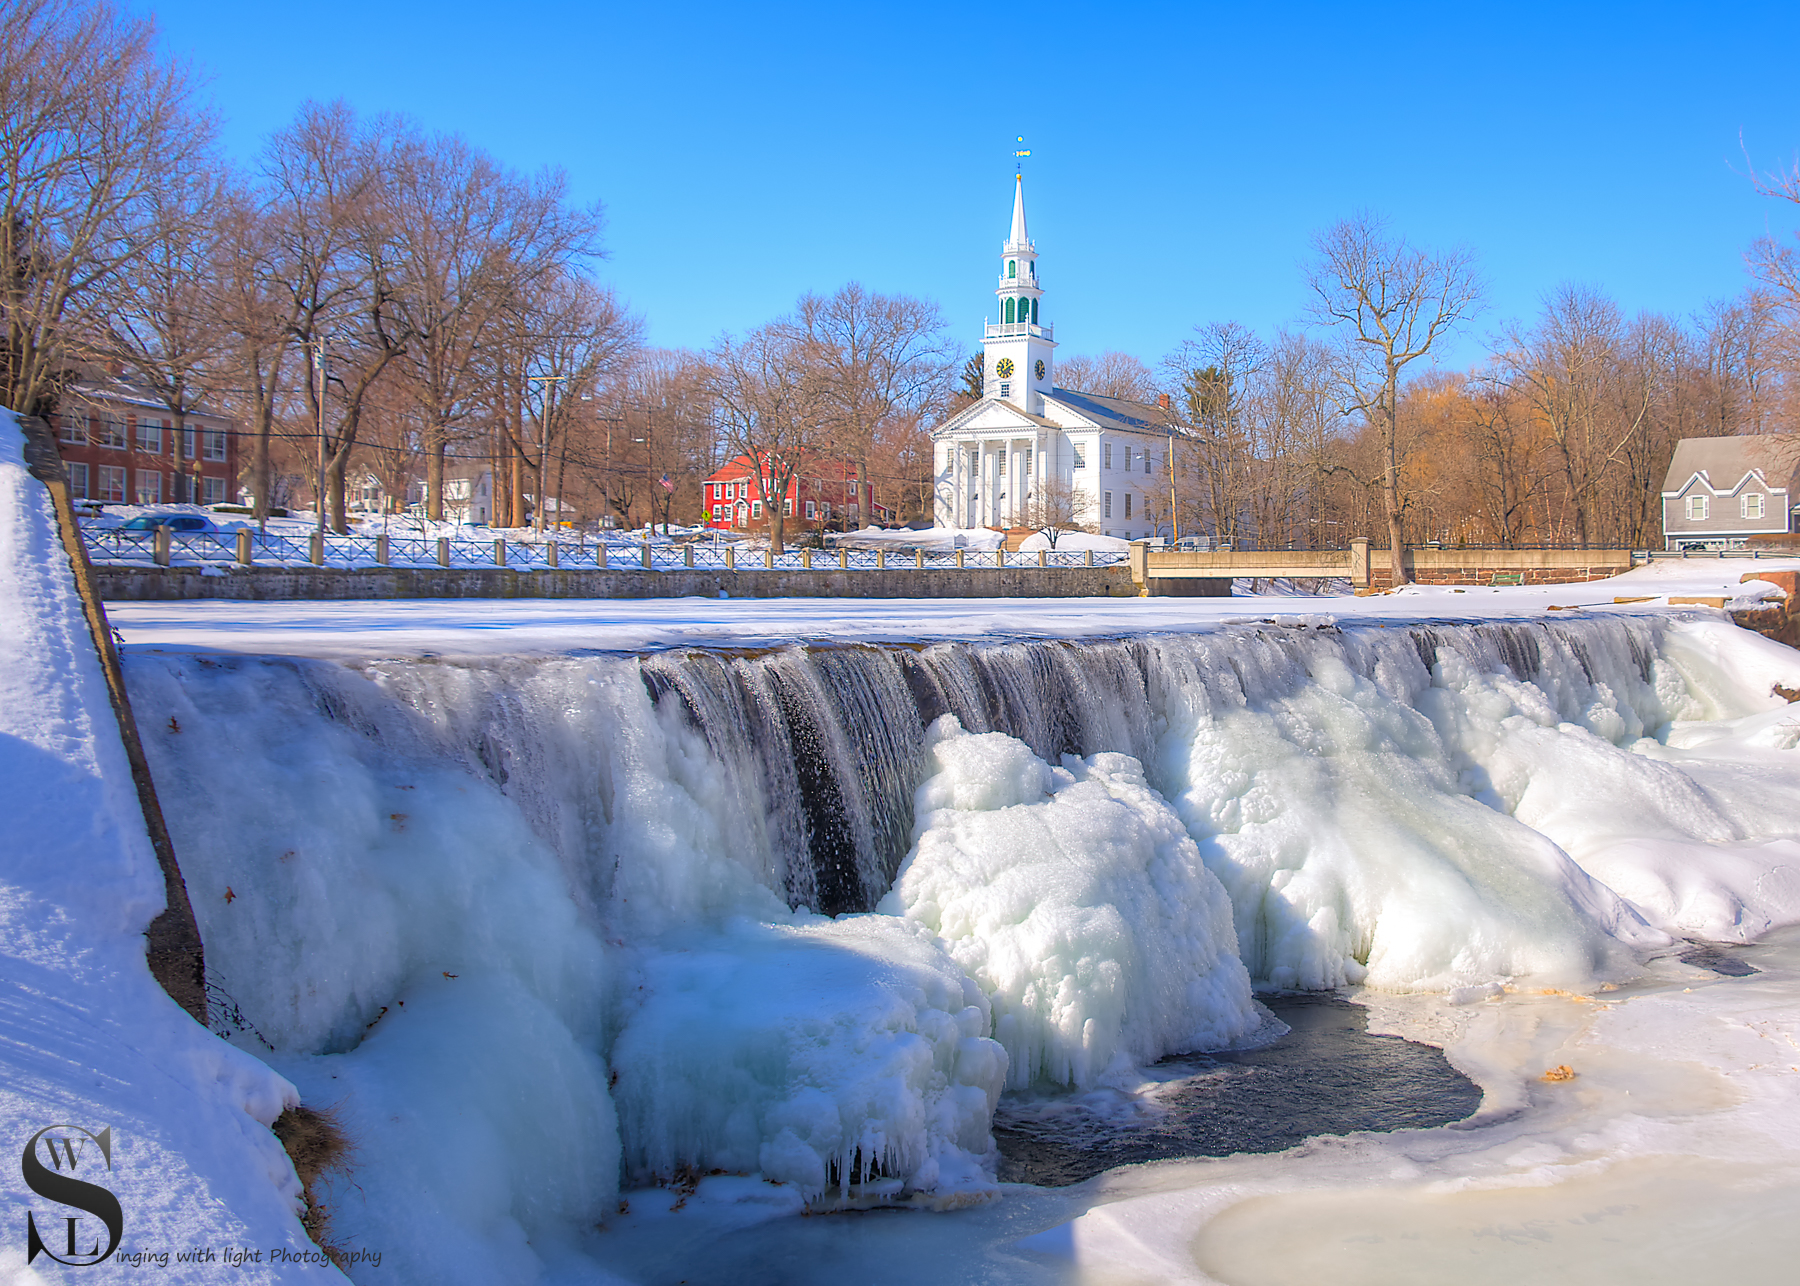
1028,453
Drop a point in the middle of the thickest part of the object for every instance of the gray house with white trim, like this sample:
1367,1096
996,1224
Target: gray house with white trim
1722,491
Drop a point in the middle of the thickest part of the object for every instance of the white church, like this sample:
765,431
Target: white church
1029,452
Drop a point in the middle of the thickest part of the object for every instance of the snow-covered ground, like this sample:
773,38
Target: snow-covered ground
521,905
470,627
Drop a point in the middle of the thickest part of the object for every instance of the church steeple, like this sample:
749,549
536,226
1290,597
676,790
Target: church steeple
1019,347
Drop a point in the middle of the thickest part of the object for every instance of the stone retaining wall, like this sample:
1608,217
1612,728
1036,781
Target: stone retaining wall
261,583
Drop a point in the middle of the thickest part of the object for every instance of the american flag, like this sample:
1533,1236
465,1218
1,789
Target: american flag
667,485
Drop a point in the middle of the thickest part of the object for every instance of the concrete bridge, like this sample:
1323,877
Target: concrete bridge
1209,574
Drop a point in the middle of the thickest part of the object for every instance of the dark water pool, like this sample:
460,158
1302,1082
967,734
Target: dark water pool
1328,1075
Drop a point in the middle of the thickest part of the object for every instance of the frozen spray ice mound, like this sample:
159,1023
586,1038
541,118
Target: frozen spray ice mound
848,1057
1077,901
1348,812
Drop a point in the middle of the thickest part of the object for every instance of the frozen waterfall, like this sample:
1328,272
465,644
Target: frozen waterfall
542,923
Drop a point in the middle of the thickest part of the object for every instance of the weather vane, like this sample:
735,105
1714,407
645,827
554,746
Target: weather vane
1021,153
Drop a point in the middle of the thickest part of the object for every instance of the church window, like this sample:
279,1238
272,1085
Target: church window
1106,511
1146,464
1005,389
1106,456
1128,504
1034,312
1080,455
1007,315
1027,460
1012,269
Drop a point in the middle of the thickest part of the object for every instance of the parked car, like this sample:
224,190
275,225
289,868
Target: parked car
175,522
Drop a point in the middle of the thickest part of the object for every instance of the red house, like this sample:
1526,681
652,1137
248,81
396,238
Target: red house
120,445
823,493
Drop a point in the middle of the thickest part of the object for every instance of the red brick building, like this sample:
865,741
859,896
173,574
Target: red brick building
119,445
823,494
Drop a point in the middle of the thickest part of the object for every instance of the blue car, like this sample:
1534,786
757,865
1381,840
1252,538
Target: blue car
176,522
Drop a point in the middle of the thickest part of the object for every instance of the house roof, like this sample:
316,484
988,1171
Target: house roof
828,468
1117,412
119,392
1724,463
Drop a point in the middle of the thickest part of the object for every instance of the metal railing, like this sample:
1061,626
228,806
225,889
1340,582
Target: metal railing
246,546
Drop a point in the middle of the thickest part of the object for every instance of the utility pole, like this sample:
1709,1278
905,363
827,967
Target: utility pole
546,402
1174,516
319,361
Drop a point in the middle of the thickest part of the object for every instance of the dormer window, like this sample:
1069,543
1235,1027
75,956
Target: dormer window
1696,508
1751,506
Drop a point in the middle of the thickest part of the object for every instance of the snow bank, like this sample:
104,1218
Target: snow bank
1075,540
88,1039
1077,901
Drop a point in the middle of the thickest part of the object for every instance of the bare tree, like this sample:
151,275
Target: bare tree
1392,303
254,316
1568,366
1118,375
765,393
1054,506
165,325
343,269
92,128
473,239
577,335
1216,376
873,356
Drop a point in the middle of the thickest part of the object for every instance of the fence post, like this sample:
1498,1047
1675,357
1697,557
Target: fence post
806,558
600,556
647,563
443,551
381,549
244,553
1000,556
161,544
881,560
769,556
959,558
500,552
843,560
920,553
687,556
1043,558
1090,558
318,549
550,553
731,558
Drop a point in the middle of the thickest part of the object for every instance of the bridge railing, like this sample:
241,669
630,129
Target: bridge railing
248,546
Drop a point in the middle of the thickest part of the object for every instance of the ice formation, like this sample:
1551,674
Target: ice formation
567,909
1077,901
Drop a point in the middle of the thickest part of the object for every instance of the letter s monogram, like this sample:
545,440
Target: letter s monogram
90,1198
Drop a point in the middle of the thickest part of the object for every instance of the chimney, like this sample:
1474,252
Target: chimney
1162,400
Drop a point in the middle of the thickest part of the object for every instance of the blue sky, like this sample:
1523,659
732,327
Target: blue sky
1182,155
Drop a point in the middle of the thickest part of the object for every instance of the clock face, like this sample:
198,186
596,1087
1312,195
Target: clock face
1040,370
1004,368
